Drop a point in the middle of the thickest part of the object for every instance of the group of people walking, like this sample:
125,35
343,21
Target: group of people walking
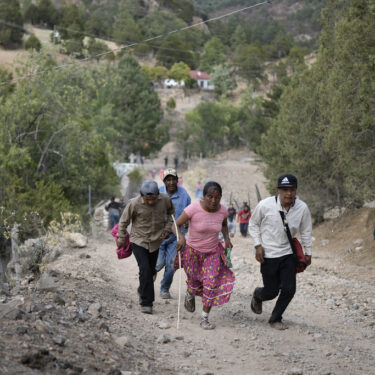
243,217
155,240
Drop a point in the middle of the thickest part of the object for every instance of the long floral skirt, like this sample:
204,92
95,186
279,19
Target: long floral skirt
208,275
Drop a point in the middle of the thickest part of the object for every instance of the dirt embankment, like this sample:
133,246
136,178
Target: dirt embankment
85,317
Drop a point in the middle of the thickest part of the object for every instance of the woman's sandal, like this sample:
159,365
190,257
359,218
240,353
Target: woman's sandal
205,324
189,302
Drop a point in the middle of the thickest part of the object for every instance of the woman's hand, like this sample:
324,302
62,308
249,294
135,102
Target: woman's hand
181,243
228,244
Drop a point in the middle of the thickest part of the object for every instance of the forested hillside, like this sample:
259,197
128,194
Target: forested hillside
300,18
325,127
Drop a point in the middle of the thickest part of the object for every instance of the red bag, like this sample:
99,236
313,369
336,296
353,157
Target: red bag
300,261
298,253
122,252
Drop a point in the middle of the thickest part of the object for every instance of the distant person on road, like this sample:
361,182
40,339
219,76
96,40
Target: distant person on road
122,205
244,204
272,247
180,181
203,257
198,190
167,251
153,173
166,162
232,220
114,210
175,162
243,218
150,215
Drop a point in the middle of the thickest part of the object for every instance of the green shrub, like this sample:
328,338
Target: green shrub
73,47
171,103
33,43
136,176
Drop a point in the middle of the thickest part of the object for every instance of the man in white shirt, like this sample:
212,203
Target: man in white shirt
272,247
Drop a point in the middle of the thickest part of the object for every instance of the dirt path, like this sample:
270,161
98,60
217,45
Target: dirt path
98,328
331,319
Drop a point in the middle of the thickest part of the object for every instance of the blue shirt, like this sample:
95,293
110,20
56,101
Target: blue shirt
180,199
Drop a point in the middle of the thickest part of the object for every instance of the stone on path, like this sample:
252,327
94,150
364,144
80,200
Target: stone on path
122,341
47,283
164,325
163,339
95,309
76,240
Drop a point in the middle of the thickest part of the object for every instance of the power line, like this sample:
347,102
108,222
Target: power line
14,25
218,53
134,44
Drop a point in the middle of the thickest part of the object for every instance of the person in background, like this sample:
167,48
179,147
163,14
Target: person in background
166,162
114,210
202,255
150,216
244,204
198,190
243,217
167,251
232,220
153,173
180,181
175,162
272,247
122,206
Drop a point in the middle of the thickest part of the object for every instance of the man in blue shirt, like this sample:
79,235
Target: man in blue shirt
167,251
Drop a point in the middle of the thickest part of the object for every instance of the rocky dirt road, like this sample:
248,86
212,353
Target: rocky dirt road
90,322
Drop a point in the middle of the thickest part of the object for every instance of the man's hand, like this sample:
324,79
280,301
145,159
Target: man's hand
259,254
120,243
180,245
165,234
308,259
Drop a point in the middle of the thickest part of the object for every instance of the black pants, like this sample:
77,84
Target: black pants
279,275
146,263
243,229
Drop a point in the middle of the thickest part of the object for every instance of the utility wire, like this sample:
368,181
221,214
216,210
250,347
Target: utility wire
14,25
109,39
134,44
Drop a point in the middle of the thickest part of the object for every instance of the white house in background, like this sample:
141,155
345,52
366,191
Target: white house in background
203,79
172,83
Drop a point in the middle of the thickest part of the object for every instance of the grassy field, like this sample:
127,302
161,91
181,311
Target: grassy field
10,58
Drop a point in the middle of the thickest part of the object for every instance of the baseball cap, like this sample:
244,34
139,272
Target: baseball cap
287,180
169,172
149,188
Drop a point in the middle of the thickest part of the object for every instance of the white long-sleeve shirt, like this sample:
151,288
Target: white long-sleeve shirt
267,229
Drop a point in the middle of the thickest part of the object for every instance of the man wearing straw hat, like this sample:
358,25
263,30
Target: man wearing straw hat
168,251
151,216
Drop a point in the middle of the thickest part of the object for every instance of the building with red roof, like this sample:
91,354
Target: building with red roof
203,79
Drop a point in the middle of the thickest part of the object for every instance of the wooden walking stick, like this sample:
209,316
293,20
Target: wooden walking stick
179,277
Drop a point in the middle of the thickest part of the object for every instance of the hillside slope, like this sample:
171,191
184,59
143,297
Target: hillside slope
299,17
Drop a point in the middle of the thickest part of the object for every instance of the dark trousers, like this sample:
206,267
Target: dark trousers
279,275
243,229
146,263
